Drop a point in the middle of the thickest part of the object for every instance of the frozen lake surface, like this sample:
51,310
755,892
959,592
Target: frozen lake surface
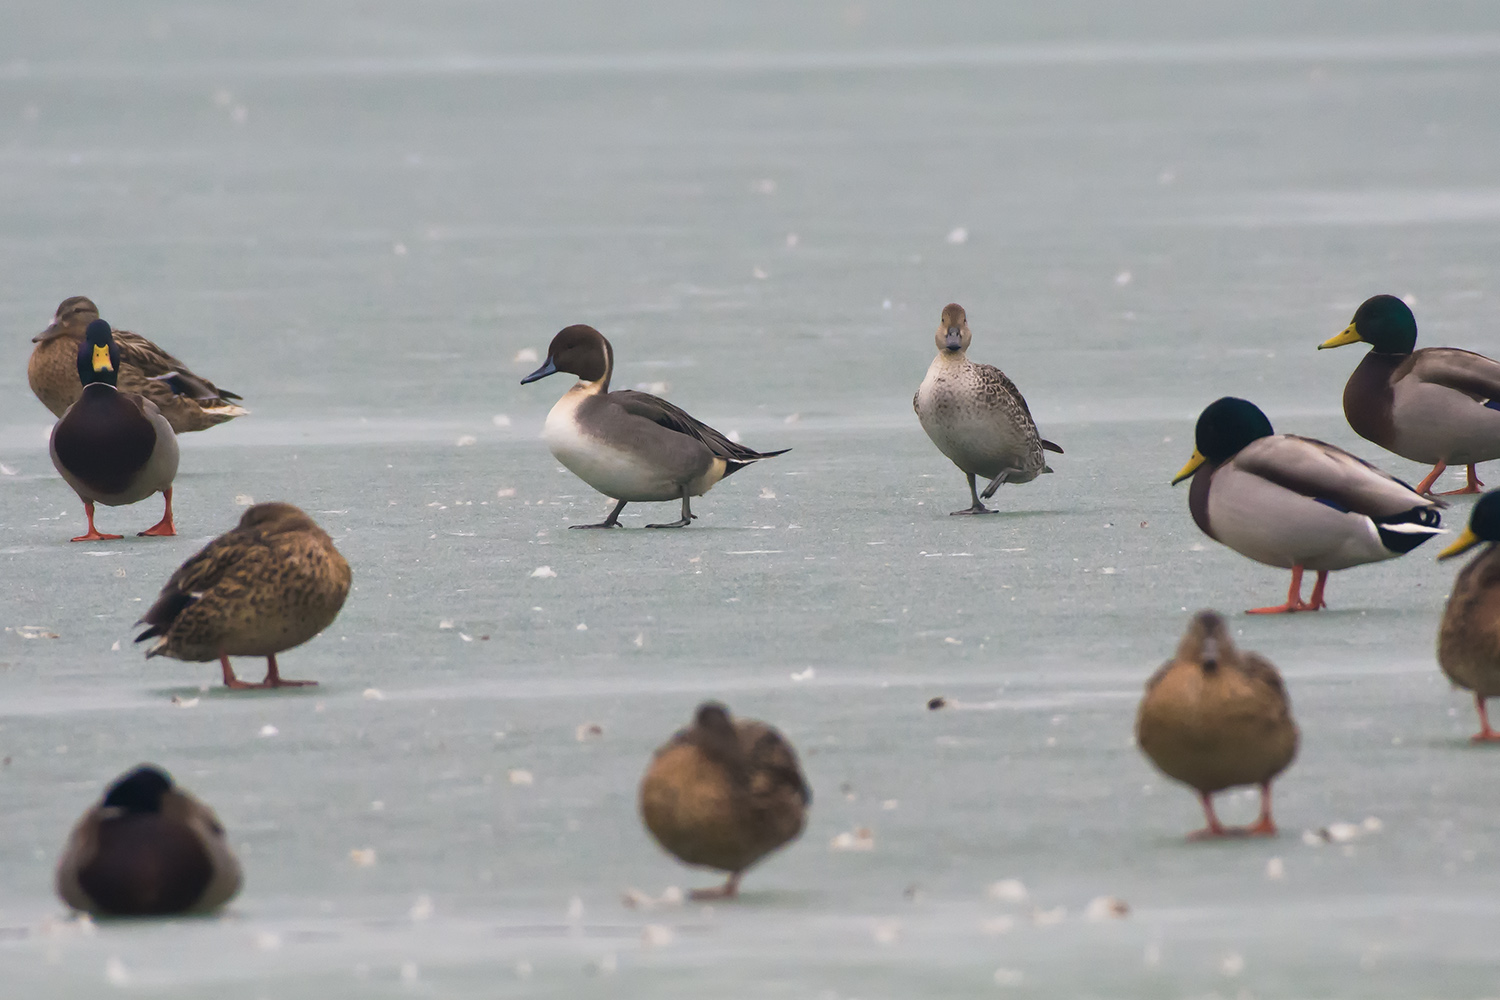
362,220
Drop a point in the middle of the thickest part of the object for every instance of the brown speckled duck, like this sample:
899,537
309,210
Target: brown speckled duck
113,447
1215,718
723,793
148,849
188,401
976,416
1439,406
272,583
1469,637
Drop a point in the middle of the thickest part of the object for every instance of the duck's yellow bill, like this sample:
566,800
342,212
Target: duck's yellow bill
101,358
1190,468
1349,336
1465,542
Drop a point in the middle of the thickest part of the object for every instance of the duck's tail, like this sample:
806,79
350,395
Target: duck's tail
1403,532
744,456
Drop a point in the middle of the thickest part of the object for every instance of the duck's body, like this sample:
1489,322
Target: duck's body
723,793
1468,648
112,447
976,416
187,401
1439,405
1296,502
147,849
1215,718
272,583
628,445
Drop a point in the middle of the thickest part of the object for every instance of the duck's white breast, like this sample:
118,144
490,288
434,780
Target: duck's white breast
608,467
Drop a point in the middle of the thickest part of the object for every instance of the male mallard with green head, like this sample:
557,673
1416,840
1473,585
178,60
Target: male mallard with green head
1216,718
113,447
1469,637
271,583
148,849
188,401
723,793
1439,406
1296,502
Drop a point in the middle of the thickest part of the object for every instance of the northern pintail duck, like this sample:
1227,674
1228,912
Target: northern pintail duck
188,401
271,583
628,445
724,793
1469,638
1296,502
976,416
148,849
1216,718
1439,406
112,446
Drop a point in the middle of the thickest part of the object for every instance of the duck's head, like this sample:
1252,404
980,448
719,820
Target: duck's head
140,791
1206,641
713,717
953,330
578,350
1484,526
275,518
71,317
1384,322
98,356
1224,427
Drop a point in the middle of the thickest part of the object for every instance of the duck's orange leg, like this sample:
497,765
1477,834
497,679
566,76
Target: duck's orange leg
728,890
1437,470
1485,734
275,680
93,533
1294,600
1472,486
231,681
163,528
1214,828
1316,601
1264,827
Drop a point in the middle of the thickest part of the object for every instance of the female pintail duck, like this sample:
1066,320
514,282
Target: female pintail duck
1469,638
271,583
976,416
188,401
723,793
113,447
1216,718
630,445
148,849
1296,502
1439,406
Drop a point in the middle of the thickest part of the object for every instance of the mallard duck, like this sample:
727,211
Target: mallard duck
1439,406
1469,638
271,583
188,401
1215,718
1296,502
628,445
113,447
976,416
148,849
723,793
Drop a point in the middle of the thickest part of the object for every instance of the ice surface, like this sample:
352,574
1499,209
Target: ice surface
239,182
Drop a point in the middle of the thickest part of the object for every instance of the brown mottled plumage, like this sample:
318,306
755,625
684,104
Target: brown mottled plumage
976,416
1469,637
148,849
1215,718
188,401
723,793
272,583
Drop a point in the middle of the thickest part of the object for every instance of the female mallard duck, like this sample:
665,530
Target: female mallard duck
723,793
1295,502
272,583
113,447
149,849
630,445
1215,718
188,401
1469,638
976,416
1439,406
